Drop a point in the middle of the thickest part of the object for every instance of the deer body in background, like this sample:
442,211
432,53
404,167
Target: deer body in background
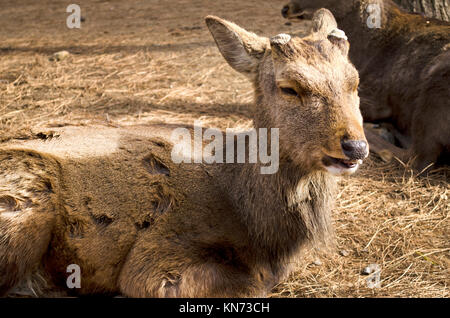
113,202
404,64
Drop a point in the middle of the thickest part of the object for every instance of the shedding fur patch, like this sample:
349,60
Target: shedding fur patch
155,165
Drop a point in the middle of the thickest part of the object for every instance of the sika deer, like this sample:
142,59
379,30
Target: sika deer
112,201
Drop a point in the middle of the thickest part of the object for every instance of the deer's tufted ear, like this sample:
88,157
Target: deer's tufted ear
323,22
241,49
324,25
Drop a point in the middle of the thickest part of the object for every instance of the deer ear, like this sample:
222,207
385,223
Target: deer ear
323,22
324,25
241,49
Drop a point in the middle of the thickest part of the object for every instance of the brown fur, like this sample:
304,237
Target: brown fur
112,201
404,68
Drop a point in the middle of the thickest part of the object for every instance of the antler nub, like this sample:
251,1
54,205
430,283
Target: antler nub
338,33
280,39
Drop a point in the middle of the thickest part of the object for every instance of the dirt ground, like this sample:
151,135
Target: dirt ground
149,61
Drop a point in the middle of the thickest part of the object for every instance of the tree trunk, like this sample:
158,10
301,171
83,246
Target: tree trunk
438,9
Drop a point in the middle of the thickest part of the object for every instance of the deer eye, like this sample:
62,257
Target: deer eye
289,91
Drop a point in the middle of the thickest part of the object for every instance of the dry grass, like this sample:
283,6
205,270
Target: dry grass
387,216
154,61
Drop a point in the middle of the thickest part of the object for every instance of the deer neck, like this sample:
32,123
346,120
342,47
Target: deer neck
282,211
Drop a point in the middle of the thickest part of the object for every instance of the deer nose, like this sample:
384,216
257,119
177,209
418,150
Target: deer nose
355,149
285,11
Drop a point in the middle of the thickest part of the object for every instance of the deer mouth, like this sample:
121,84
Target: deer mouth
340,166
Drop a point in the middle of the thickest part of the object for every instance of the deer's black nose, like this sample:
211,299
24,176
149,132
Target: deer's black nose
354,149
285,11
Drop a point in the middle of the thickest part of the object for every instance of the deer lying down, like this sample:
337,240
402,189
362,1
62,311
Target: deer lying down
112,201
404,64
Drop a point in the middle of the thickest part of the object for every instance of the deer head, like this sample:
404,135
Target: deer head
306,87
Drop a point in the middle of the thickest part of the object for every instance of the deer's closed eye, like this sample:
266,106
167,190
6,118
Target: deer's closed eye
289,91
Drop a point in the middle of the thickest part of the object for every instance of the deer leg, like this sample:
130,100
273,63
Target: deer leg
26,219
157,268
201,280
383,148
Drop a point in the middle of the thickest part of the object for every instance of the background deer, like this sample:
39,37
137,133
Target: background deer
113,202
405,70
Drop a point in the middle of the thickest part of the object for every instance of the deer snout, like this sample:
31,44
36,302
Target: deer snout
355,149
284,11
